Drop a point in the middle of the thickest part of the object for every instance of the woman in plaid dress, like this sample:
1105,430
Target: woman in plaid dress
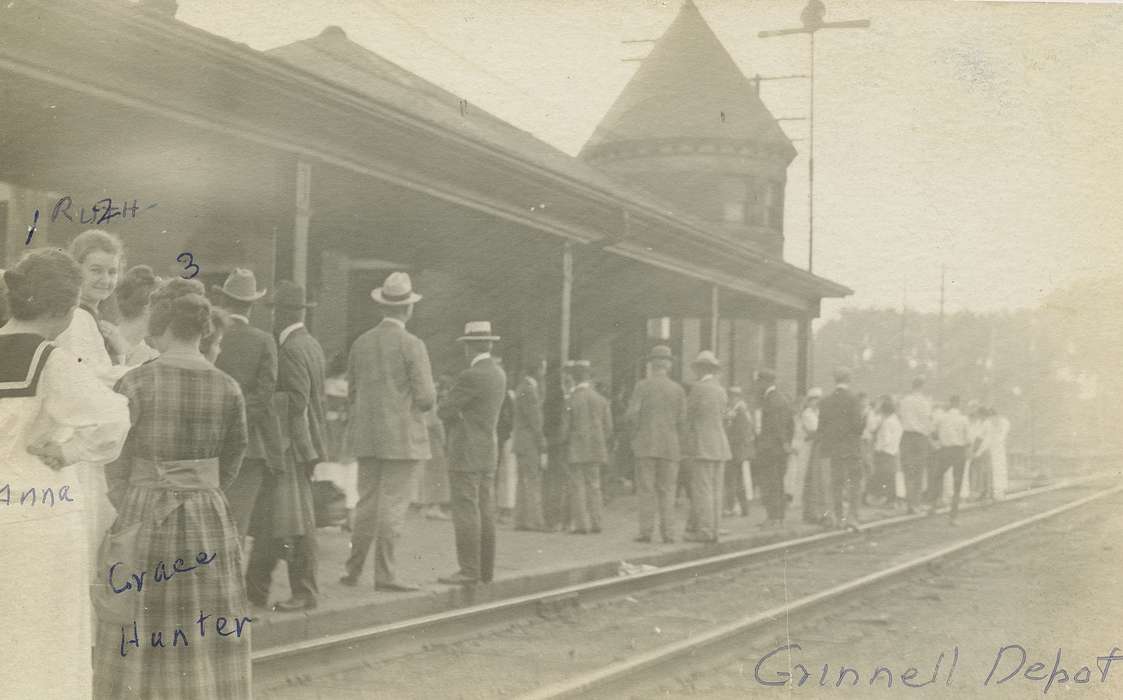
172,611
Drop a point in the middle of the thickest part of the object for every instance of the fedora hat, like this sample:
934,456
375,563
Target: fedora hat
241,285
707,358
291,295
660,352
397,290
478,330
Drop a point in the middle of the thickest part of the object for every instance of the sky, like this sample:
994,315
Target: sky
982,137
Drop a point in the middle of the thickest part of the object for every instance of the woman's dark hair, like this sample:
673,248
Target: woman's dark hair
44,283
182,307
134,290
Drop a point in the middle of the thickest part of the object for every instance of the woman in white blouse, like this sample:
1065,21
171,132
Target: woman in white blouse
53,413
100,347
98,344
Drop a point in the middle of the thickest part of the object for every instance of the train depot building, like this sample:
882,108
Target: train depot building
322,162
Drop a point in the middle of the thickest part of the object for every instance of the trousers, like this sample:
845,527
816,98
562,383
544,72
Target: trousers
846,485
914,462
585,496
528,493
473,518
555,489
705,497
385,491
656,482
770,471
955,457
733,489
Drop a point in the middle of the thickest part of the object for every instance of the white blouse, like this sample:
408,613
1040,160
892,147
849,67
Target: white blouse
84,340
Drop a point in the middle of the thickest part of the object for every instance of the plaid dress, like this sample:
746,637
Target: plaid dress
182,409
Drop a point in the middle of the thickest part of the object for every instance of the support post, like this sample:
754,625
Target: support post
715,316
300,225
567,299
803,352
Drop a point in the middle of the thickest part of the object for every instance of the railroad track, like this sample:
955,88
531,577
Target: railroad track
610,680
296,665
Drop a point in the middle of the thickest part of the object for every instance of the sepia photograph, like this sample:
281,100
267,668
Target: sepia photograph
540,349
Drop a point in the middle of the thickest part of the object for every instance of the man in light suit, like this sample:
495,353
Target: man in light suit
707,447
841,422
590,430
290,533
773,445
530,445
391,388
656,418
249,355
471,411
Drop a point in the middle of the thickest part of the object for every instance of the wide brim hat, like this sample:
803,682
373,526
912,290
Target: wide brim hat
397,290
290,294
660,352
241,284
478,330
707,358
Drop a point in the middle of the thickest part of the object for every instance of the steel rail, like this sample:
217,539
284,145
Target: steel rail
620,672
277,663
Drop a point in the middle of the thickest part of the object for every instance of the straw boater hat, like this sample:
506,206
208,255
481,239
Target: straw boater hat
290,295
478,330
815,393
397,290
241,285
570,364
707,358
661,352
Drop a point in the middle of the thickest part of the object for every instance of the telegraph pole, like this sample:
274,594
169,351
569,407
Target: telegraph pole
812,20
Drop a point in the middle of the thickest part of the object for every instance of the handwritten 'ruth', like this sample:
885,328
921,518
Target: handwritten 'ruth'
1005,658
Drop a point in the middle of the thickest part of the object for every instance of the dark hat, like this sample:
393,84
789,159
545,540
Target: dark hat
241,285
291,295
661,352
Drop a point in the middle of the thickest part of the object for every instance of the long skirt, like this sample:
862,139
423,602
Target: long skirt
816,488
186,634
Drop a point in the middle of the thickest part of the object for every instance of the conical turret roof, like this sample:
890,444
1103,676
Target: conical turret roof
689,87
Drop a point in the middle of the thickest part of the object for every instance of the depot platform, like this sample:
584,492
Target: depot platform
526,562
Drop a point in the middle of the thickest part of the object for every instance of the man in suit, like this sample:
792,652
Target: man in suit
290,533
391,388
249,355
841,422
471,411
741,432
656,418
590,430
773,445
706,447
530,445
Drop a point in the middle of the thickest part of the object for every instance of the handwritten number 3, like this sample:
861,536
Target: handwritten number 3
189,265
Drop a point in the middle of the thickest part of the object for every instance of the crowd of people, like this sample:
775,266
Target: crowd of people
905,452
177,437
